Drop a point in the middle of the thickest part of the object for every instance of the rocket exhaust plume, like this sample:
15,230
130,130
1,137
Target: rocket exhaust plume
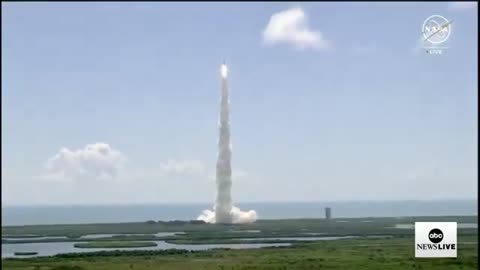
224,211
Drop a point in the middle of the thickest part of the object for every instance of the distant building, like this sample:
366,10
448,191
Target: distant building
328,212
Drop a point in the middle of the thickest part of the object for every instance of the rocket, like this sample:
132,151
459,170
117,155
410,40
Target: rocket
223,70
224,212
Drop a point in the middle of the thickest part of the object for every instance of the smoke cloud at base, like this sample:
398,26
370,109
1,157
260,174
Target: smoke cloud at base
237,216
224,212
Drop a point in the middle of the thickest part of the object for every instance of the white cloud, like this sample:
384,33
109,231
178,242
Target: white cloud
462,6
291,26
97,161
185,167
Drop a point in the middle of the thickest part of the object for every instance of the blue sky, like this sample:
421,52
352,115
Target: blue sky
371,116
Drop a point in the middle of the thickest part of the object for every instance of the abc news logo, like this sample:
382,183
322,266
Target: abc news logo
435,236
436,239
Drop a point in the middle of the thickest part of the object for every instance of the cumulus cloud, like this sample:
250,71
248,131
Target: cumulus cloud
291,26
462,6
182,167
97,161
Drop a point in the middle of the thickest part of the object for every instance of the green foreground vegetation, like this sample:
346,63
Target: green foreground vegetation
115,244
393,248
358,254
199,231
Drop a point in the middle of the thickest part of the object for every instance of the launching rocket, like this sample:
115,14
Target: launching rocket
224,211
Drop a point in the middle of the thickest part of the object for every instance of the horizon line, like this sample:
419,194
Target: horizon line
237,203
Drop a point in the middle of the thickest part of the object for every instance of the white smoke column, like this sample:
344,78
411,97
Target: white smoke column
224,211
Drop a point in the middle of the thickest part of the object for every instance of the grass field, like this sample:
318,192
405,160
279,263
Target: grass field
358,254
